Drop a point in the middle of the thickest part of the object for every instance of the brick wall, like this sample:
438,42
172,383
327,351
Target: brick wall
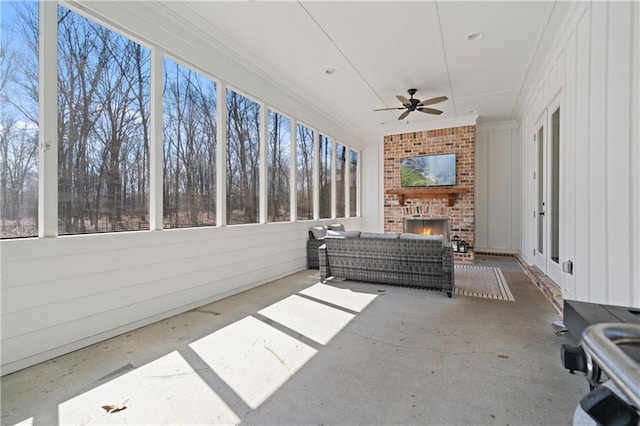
458,140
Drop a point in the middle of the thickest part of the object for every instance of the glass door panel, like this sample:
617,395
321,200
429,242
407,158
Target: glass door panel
554,210
540,176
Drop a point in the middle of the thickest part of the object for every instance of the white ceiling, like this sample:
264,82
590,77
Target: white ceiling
381,49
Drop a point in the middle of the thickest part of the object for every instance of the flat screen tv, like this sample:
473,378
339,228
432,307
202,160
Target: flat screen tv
428,170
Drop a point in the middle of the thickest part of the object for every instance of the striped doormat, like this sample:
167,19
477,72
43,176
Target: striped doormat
481,281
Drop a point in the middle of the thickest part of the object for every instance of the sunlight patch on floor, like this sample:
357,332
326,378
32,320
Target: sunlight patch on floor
165,391
253,358
343,297
314,320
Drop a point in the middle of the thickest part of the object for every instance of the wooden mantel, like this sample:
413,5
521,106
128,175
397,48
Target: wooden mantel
447,193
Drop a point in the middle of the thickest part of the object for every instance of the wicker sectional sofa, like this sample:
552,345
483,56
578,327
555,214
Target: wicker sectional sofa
404,259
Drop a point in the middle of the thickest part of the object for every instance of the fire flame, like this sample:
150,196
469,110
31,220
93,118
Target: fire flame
426,231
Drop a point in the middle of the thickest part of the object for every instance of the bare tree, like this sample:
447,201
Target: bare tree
189,147
18,124
305,173
324,151
278,168
242,159
353,180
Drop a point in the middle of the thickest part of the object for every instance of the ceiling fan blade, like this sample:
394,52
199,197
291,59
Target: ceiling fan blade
430,111
433,101
388,109
402,99
404,115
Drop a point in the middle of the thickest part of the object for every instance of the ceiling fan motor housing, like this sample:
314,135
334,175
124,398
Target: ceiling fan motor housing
413,103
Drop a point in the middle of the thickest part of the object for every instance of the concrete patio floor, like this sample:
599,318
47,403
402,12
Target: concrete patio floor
297,352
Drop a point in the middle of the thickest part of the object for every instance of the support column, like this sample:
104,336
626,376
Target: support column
48,120
156,146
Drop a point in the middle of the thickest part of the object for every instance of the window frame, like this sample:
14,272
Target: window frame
47,105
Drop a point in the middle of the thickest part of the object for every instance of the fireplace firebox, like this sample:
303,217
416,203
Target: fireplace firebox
427,227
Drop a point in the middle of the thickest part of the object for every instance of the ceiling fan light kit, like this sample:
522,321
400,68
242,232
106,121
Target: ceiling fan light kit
412,104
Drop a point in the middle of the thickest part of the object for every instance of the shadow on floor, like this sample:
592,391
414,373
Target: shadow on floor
296,351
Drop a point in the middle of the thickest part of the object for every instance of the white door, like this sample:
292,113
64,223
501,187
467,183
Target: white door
547,181
539,176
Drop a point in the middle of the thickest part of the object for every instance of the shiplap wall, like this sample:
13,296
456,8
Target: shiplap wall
498,191
373,194
61,294
593,67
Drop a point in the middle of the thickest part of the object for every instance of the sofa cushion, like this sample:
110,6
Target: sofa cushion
319,232
343,234
336,227
410,236
378,235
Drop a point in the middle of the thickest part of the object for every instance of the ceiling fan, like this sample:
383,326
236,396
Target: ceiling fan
412,104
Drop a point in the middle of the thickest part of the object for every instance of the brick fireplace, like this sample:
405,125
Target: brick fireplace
457,208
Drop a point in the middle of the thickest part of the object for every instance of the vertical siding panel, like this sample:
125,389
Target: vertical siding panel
635,148
619,153
582,159
499,194
482,190
529,162
526,193
516,189
597,155
568,168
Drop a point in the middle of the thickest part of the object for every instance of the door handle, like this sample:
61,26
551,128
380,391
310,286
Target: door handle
541,213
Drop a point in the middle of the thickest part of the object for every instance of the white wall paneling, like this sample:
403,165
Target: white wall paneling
61,294
372,177
516,188
595,61
497,191
635,155
568,165
595,152
481,201
581,191
618,153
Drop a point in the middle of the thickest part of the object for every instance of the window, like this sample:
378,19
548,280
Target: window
279,168
353,183
243,155
304,172
104,137
19,119
341,167
103,110
189,127
324,176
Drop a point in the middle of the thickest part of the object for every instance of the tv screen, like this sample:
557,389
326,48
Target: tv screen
428,170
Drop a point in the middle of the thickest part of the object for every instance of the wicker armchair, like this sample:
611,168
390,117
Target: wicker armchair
316,239
408,262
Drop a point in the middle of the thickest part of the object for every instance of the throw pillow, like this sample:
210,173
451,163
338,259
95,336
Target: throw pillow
343,234
319,232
